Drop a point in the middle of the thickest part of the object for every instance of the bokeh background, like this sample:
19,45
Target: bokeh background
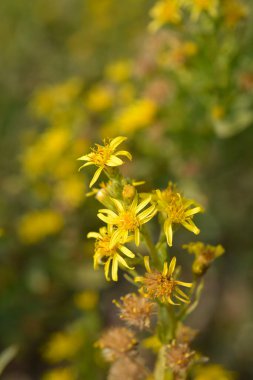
76,71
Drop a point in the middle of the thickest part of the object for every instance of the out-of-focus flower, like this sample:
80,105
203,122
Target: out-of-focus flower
217,112
48,100
185,334
105,156
126,368
128,219
99,98
60,374
116,342
163,12
205,254
177,210
119,71
42,155
234,11
62,345
86,300
162,286
70,192
136,310
213,372
179,358
108,254
199,6
137,115
37,225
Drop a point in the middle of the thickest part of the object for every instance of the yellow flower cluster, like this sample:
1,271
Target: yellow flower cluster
171,11
37,225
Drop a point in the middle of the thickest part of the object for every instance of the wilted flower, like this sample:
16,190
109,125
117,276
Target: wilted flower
105,156
116,342
126,368
110,255
205,254
179,358
136,310
161,285
128,219
177,210
185,334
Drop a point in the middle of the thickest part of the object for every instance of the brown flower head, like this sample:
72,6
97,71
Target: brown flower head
126,368
179,358
136,310
185,334
116,342
162,286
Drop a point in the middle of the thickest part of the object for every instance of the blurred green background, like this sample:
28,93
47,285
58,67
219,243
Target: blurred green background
74,72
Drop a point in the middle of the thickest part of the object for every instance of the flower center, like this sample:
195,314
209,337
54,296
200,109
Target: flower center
102,246
128,221
101,154
158,286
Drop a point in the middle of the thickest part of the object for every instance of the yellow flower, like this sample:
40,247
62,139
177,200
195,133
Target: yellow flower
135,116
213,372
199,6
108,254
119,71
62,346
128,219
163,12
86,300
234,11
70,192
176,210
105,156
37,225
161,285
60,374
99,98
205,254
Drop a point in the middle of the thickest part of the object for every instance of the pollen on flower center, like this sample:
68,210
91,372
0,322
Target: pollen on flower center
101,154
103,245
158,286
128,221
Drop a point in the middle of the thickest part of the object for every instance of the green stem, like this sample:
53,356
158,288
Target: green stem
160,365
150,245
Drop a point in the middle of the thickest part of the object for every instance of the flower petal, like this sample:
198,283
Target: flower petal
96,176
117,141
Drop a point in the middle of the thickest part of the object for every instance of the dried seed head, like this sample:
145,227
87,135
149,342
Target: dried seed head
126,368
136,310
179,358
185,334
116,342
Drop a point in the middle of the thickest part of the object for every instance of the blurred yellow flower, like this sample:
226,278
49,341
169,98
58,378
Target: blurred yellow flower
86,300
217,112
37,225
60,374
205,254
137,115
213,372
109,252
161,285
100,97
198,6
70,192
128,219
105,156
163,12
62,345
48,100
234,11
176,210
119,71
39,157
